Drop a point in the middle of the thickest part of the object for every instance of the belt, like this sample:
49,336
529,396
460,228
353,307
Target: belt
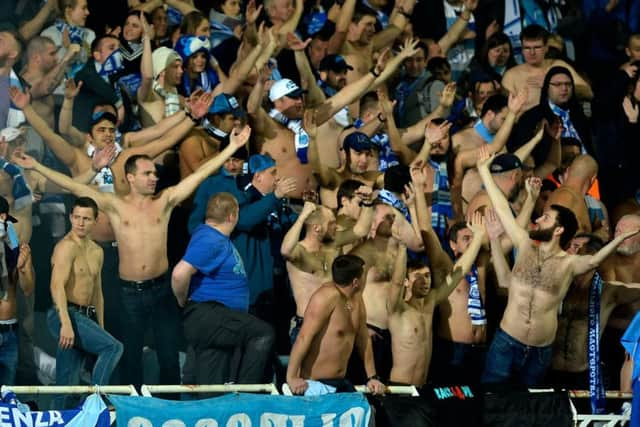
141,285
107,245
87,310
6,327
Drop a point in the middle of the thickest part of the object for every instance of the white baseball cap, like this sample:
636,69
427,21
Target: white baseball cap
285,87
161,58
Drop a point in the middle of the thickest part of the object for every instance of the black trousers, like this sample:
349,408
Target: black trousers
229,345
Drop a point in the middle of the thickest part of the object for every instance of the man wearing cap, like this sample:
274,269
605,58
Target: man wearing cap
224,115
333,74
15,269
98,85
282,130
140,223
210,282
262,211
158,96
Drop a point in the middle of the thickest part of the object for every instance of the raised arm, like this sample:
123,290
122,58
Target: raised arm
397,23
184,188
31,28
362,227
291,239
458,28
327,177
65,126
516,233
525,150
500,265
405,153
407,50
582,264
315,96
182,6
292,23
146,135
342,26
464,263
396,292
47,84
146,64
262,123
415,132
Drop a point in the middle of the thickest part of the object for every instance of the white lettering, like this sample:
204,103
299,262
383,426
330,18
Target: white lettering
327,420
269,419
39,421
239,420
207,422
21,419
5,418
174,423
56,417
352,418
139,422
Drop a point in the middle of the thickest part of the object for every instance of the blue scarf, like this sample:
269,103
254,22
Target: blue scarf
461,53
174,17
326,89
111,65
403,90
475,307
386,156
20,190
596,385
76,34
483,131
441,208
300,136
207,81
390,199
568,131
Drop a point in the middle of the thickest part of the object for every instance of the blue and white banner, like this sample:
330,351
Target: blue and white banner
244,410
93,413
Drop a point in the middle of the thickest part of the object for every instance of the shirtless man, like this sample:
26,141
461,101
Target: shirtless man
493,115
309,259
412,303
19,272
281,133
543,271
140,223
591,214
43,72
77,319
531,73
334,323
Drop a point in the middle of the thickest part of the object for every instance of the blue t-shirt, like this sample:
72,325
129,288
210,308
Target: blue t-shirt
221,276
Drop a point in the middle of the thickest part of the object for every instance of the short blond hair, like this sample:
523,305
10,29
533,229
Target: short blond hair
220,206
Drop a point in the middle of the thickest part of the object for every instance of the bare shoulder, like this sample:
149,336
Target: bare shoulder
66,248
323,299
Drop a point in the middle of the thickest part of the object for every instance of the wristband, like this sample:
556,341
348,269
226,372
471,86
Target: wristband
373,71
373,377
193,119
365,204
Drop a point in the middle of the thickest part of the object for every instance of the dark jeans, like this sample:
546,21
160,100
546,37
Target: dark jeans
144,306
508,360
9,355
220,335
457,363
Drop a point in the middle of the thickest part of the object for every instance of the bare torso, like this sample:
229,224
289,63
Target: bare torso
85,271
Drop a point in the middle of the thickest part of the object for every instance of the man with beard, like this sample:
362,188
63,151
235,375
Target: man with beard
309,259
140,223
282,133
44,73
522,348
412,303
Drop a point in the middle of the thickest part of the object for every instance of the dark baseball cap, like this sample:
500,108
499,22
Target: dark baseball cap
359,141
99,116
335,63
4,209
505,162
226,104
260,162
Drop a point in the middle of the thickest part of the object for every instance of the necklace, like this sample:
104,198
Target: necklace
541,261
347,303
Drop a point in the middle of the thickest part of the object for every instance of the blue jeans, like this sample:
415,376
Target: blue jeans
90,339
156,307
9,357
508,360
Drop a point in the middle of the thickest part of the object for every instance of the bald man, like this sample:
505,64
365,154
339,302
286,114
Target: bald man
591,214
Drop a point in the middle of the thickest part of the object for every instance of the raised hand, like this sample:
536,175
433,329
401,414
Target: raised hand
295,43
436,133
71,89
18,98
23,160
252,13
418,177
148,31
471,5
200,106
533,185
72,51
309,122
553,129
492,28
386,105
476,225
448,95
66,38
485,157
103,158
409,196
285,186
238,138
409,48
630,109
308,209
494,226
381,63
364,193
517,100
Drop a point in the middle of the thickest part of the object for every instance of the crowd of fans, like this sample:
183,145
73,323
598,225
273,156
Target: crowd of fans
441,192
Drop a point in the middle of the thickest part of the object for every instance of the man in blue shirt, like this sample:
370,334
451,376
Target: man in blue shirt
210,282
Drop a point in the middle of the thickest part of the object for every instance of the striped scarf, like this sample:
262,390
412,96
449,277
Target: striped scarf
171,99
300,136
76,34
475,307
207,81
390,199
386,156
568,130
441,208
